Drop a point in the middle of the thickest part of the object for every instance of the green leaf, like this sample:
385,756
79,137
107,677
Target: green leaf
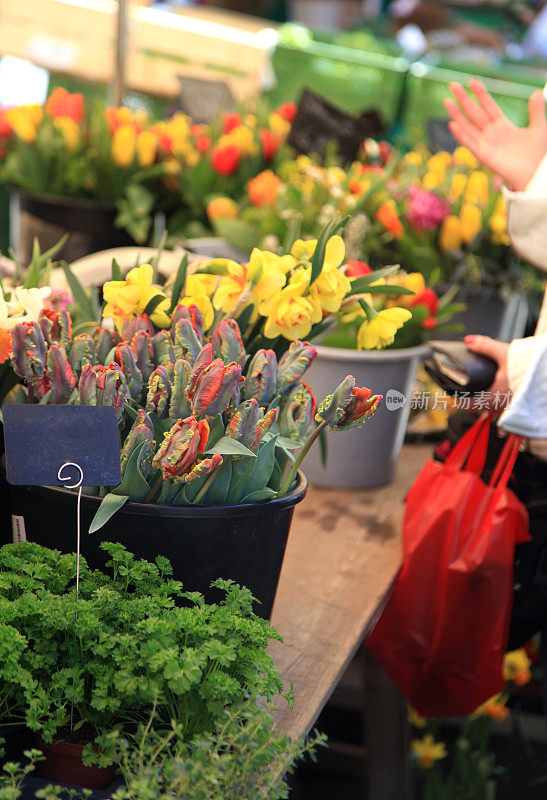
218,491
242,234
216,430
180,281
110,504
318,258
245,317
361,285
230,447
261,494
153,304
116,271
133,484
79,294
242,470
293,233
397,290
155,262
263,468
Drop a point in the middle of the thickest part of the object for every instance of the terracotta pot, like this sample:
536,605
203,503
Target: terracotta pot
63,764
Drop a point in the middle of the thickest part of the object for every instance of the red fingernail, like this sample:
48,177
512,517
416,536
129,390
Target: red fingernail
469,339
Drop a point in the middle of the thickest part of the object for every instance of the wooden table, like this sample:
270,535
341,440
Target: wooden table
343,553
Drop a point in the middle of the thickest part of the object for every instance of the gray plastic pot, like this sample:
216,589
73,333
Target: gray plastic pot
366,456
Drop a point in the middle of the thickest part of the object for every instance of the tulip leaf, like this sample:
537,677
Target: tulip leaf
261,494
110,504
116,271
217,492
230,447
263,468
79,294
242,469
362,284
245,317
394,289
216,431
293,233
133,482
161,426
180,282
153,304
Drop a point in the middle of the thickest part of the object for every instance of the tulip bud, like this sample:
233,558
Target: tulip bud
179,406
262,377
87,386
180,447
227,343
28,351
265,424
159,392
297,414
125,358
112,389
62,381
141,345
192,314
216,387
56,327
361,407
104,342
298,358
141,431
185,342
332,408
162,348
201,469
243,425
82,352
131,325
203,360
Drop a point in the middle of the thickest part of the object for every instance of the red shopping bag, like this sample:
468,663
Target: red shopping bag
442,634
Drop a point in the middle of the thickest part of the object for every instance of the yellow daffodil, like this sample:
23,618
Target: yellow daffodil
352,310
128,298
147,144
203,303
464,157
471,221
415,719
70,131
450,235
516,667
379,332
230,287
289,313
335,251
494,708
427,751
199,289
123,145
459,182
268,273
476,190
329,289
262,261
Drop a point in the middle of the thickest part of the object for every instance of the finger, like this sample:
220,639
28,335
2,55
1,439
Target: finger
536,110
474,113
464,138
460,118
486,101
486,346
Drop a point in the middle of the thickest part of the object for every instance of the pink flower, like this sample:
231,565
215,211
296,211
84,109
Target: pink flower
426,210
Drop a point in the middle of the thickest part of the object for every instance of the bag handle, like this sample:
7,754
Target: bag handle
472,447
506,462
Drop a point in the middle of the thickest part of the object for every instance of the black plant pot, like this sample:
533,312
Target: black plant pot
244,542
89,224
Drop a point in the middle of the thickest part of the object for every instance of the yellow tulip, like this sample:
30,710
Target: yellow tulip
279,126
471,222
147,144
431,180
70,131
439,163
450,236
222,207
123,145
379,332
459,182
128,298
464,157
22,123
477,188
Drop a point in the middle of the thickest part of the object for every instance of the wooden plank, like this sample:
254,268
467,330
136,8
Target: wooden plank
343,553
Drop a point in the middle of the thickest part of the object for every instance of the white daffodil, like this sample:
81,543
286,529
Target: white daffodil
24,305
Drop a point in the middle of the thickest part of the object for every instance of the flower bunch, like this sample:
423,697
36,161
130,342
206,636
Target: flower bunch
468,769
202,419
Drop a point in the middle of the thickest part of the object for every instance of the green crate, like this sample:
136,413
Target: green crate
350,79
427,87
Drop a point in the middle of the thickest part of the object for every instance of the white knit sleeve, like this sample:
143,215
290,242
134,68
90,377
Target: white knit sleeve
527,370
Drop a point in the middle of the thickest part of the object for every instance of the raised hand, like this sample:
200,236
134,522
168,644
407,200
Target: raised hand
513,153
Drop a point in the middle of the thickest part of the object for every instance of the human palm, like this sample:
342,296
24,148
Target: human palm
513,153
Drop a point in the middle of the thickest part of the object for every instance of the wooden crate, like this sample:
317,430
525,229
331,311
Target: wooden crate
77,37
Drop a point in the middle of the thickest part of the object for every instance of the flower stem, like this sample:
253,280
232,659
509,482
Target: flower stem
204,489
367,308
154,489
287,483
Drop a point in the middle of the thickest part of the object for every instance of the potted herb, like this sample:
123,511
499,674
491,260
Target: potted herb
82,664
212,433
